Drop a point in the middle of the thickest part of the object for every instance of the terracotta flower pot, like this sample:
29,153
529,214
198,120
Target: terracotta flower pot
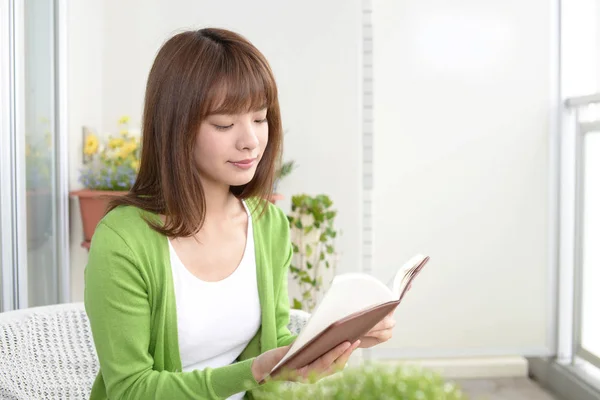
275,197
93,205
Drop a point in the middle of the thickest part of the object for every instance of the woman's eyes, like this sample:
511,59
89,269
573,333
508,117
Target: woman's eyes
226,127
222,128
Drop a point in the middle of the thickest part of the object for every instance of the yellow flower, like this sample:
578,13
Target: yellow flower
91,145
127,149
124,119
135,164
115,143
124,132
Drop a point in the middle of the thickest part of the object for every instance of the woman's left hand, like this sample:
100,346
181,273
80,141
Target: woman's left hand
380,333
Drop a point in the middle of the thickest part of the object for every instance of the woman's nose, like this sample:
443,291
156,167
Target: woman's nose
248,138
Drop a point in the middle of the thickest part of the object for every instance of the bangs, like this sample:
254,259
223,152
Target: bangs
244,84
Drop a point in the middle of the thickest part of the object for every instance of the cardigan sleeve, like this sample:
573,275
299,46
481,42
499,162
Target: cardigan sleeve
117,304
282,302
284,336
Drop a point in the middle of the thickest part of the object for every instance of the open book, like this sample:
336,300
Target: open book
353,305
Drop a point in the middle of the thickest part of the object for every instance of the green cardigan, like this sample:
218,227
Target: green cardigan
130,301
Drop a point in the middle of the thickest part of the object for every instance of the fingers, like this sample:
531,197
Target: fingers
375,338
340,363
328,359
368,342
330,362
382,334
280,352
317,367
264,363
385,324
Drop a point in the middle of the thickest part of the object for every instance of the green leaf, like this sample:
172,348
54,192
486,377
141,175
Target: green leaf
327,201
303,274
329,249
319,216
306,295
307,229
298,224
285,169
308,265
294,269
295,248
297,200
327,264
306,279
309,250
321,256
297,304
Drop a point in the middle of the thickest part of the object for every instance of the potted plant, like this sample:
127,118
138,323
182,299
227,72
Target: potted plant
313,236
109,170
365,382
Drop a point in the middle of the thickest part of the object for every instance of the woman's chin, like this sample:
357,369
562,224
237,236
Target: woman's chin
241,179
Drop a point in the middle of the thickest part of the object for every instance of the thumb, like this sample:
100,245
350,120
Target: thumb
275,355
280,352
272,358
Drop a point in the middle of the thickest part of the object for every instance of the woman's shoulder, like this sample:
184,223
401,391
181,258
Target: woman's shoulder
267,216
125,217
125,222
271,231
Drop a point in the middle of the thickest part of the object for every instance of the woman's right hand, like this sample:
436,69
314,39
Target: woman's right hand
327,364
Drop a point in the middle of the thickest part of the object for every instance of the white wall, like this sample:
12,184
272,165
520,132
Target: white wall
313,48
580,47
461,170
85,57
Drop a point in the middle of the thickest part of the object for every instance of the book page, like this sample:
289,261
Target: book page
404,275
349,293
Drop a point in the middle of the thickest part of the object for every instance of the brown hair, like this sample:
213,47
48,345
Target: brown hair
195,74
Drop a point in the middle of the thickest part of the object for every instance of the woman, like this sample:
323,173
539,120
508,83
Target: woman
186,283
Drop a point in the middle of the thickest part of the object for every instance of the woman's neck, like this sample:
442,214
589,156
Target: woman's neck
220,202
220,205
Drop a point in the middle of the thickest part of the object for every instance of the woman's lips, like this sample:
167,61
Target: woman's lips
244,164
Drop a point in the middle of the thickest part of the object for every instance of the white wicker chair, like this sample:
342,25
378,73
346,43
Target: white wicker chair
48,352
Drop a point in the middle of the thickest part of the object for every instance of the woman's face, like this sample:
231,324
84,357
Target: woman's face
229,147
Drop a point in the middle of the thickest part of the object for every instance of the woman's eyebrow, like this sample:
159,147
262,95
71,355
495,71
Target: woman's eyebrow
228,113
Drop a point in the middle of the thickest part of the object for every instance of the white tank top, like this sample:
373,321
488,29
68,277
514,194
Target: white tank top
216,320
